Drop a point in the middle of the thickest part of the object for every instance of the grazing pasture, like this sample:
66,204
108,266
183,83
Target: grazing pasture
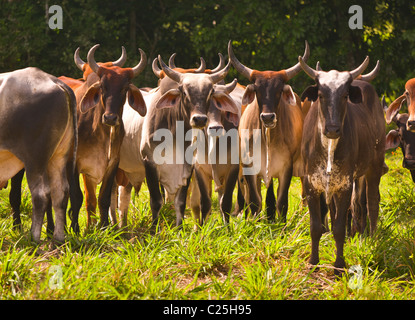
247,259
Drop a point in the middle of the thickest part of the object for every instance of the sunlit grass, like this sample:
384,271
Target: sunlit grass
247,259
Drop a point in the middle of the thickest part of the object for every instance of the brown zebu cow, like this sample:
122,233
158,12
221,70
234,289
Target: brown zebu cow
342,147
100,102
395,106
38,132
275,110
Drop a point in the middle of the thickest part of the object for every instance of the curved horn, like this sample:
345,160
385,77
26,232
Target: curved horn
220,65
78,61
91,60
318,68
202,66
174,75
221,74
245,71
307,69
371,75
294,70
356,72
172,65
156,69
228,88
141,65
120,62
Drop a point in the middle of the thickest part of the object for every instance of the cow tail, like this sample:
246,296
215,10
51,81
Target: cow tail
72,107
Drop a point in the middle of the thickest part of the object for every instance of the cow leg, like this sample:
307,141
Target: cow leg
38,182
412,175
194,201
284,182
90,201
59,197
156,199
226,200
76,196
180,203
104,197
15,198
114,203
342,203
205,192
316,228
50,227
270,202
124,201
324,210
253,196
373,198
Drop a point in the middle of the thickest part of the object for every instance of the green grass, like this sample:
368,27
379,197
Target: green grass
247,259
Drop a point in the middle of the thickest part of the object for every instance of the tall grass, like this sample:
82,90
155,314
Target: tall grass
247,259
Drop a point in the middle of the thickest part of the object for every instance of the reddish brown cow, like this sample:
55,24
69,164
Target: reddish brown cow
395,106
100,101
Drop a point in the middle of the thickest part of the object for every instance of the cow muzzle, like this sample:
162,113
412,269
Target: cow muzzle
332,131
110,119
269,120
198,121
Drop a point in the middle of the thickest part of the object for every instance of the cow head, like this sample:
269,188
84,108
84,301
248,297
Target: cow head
395,106
194,92
401,137
269,87
113,87
332,91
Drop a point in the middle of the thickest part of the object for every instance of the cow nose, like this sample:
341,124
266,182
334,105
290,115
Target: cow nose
216,131
110,119
332,131
410,126
199,121
268,119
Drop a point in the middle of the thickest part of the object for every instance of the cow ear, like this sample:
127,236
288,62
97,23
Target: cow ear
249,94
170,99
224,102
392,140
91,97
355,94
311,93
136,100
394,108
288,95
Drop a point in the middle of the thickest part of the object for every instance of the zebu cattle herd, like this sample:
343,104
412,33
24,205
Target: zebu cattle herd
193,131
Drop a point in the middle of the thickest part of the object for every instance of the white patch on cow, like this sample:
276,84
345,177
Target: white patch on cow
267,146
333,79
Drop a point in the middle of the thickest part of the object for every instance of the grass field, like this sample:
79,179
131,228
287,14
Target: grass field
248,259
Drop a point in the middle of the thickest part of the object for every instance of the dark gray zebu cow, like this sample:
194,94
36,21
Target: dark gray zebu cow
38,132
343,149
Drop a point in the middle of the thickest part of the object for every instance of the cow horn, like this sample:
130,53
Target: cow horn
245,71
120,62
78,61
356,72
141,65
220,65
228,88
156,69
202,66
318,67
172,65
174,75
294,70
371,75
307,69
221,74
91,60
